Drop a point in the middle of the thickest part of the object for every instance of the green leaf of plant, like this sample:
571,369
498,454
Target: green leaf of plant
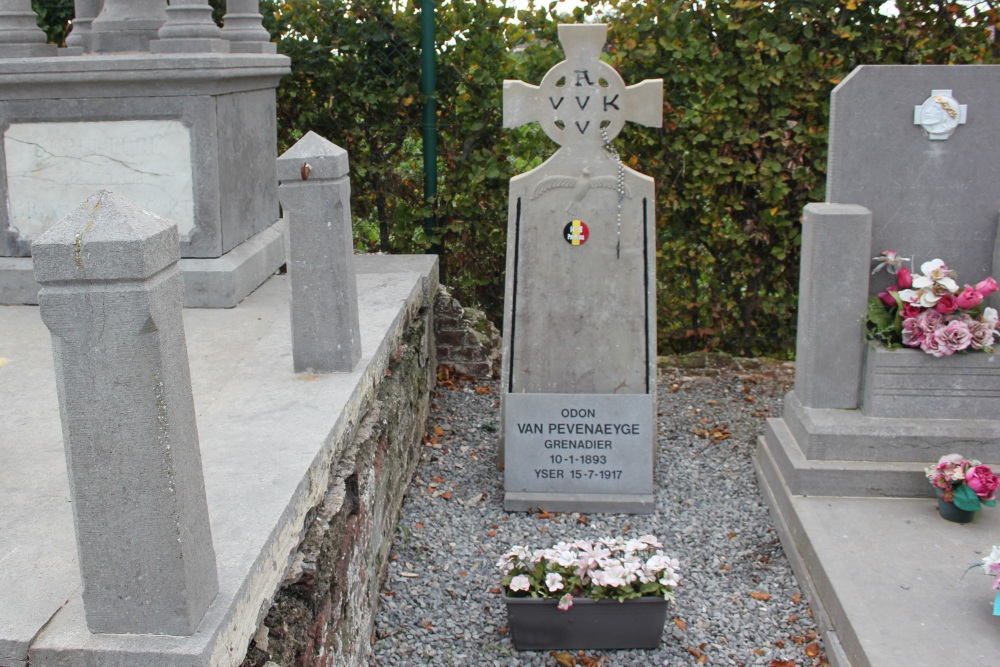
966,499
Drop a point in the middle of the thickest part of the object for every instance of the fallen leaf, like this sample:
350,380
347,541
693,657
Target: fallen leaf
564,659
763,597
492,533
779,644
503,630
542,514
482,390
782,663
438,430
812,650
793,618
797,598
419,526
702,660
693,651
681,623
437,480
447,496
582,519
495,591
732,535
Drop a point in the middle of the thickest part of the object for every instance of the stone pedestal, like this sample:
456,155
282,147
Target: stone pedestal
112,300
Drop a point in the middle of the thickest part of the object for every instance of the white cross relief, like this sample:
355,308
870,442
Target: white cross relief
939,115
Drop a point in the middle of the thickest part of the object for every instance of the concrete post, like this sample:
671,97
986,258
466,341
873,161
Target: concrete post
20,36
315,193
243,28
84,13
111,297
127,25
189,29
833,299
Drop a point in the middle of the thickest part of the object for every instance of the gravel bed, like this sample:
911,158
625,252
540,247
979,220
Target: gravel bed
738,603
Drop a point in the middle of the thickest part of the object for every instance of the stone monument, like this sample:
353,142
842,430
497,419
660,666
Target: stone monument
160,105
911,174
579,359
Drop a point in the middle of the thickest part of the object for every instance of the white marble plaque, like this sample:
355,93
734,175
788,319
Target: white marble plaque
586,449
52,167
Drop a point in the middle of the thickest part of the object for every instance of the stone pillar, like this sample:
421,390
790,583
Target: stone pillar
84,12
189,29
20,36
127,25
315,194
242,27
833,297
111,297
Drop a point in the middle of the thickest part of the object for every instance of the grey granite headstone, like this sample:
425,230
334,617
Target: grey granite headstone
910,170
111,297
580,313
315,192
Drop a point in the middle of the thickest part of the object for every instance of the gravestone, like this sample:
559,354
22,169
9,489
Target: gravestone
910,170
160,105
579,359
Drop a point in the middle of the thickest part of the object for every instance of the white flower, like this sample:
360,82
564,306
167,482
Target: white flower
520,583
565,558
935,273
635,545
554,581
565,602
990,316
651,541
890,261
991,564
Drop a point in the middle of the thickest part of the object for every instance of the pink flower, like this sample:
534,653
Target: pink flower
986,287
887,298
904,279
982,480
953,338
982,335
929,320
913,335
565,602
969,298
910,310
946,304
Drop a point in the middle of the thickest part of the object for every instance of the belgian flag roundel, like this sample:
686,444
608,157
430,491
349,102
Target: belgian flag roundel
576,232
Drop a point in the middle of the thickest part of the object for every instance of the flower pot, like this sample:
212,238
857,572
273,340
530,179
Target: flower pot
950,512
537,624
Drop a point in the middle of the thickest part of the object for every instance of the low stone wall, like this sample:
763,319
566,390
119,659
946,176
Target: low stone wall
324,613
466,340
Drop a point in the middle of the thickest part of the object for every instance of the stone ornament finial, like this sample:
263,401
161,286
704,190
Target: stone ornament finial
939,115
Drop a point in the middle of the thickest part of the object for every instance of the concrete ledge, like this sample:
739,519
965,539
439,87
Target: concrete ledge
218,282
269,441
885,575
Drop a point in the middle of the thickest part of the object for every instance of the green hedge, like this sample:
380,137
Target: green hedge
743,147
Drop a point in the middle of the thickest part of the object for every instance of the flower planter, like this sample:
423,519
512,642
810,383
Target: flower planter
951,512
912,384
537,624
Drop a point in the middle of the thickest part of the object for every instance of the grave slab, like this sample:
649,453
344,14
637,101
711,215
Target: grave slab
267,439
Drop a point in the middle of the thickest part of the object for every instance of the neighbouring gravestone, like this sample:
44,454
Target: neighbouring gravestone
111,297
911,149
579,361
316,194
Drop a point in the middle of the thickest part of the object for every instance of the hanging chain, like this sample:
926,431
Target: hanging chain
621,186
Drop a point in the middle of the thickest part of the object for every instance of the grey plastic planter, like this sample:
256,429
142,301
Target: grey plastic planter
537,624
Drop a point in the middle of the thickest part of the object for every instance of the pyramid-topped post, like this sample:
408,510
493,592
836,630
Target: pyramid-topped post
111,297
579,361
315,193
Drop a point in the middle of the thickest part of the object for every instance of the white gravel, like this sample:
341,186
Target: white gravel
739,603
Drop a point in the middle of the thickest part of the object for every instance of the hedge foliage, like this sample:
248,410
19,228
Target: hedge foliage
743,147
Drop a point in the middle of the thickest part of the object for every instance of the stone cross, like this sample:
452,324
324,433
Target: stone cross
580,312
111,297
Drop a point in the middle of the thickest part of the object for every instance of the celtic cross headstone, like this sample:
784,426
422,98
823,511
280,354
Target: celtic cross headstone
579,364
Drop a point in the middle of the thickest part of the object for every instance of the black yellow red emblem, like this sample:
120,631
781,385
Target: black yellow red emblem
576,232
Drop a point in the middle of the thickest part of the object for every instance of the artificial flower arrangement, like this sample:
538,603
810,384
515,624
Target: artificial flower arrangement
966,482
929,310
611,567
991,567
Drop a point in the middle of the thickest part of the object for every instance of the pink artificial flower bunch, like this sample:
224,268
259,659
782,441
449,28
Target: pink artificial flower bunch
966,482
935,314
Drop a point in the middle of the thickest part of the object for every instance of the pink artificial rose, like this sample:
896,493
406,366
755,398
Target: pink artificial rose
929,320
913,335
982,335
888,299
986,287
910,310
954,337
904,279
969,298
947,304
982,480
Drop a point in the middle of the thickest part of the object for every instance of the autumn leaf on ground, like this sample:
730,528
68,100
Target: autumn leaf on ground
438,430
782,663
812,650
542,514
564,659
796,598
763,597
482,390
681,623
